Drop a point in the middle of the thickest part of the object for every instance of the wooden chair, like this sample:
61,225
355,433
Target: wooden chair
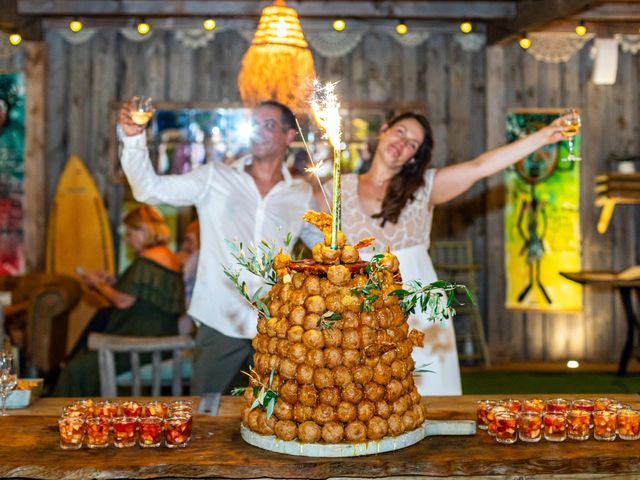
453,260
108,345
39,315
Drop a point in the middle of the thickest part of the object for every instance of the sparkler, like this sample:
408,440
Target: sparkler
326,110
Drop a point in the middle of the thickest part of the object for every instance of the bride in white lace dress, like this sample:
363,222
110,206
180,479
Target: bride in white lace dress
394,200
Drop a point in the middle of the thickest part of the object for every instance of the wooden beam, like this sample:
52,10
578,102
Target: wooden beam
479,10
533,15
604,29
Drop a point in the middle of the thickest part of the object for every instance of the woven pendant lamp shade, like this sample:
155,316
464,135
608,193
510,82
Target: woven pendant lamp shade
278,65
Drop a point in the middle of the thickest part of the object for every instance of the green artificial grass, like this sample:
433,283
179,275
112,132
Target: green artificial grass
481,382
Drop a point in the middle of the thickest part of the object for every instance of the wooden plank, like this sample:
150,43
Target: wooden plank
349,8
80,104
496,80
35,173
57,108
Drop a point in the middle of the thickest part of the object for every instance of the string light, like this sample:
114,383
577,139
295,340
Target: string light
143,27
339,24
401,28
525,42
466,27
209,24
75,25
581,30
15,39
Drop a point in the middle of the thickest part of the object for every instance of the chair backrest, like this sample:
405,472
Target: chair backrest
108,345
50,298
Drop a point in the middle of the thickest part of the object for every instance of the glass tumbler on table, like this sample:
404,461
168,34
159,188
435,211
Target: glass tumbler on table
177,430
628,424
72,430
482,411
604,425
555,426
530,426
98,431
124,431
578,424
149,431
506,427
8,378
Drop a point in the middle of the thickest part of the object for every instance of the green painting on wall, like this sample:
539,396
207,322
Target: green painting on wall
542,220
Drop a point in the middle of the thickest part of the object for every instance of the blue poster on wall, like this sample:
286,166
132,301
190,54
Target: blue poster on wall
12,115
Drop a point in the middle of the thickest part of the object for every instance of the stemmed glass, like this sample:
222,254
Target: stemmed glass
8,378
571,126
143,111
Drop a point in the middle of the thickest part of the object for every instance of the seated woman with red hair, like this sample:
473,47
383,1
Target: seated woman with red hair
146,300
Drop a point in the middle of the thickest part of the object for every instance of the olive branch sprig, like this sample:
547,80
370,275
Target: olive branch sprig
258,260
328,320
436,298
373,285
264,396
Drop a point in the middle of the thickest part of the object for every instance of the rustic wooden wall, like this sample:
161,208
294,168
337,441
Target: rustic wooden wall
465,94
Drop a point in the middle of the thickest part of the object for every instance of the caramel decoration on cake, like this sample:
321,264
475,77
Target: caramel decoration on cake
332,359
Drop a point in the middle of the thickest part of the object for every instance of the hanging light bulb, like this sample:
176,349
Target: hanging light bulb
143,27
339,24
75,25
209,24
525,42
466,27
15,39
401,27
581,30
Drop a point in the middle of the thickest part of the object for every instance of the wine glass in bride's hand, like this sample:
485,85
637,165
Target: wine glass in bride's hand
571,124
8,378
142,110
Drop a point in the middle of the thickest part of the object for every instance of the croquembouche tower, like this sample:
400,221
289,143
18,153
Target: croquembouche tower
332,372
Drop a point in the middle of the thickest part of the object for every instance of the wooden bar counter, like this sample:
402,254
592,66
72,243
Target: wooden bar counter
29,449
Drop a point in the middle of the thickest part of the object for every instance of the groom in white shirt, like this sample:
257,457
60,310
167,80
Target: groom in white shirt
253,199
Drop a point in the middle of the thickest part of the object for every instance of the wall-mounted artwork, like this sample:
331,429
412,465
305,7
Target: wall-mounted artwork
12,116
542,222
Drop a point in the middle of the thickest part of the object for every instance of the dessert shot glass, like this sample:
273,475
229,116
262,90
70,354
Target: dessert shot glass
511,404
72,430
177,431
98,432
506,427
533,405
604,425
530,426
555,426
557,405
150,431
155,409
482,410
578,424
124,431
628,422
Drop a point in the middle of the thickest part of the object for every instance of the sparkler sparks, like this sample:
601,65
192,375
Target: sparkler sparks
326,110
315,168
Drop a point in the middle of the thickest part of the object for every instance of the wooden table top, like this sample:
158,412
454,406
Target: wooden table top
603,278
29,448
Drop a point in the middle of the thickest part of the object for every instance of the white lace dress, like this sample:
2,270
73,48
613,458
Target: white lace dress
409,241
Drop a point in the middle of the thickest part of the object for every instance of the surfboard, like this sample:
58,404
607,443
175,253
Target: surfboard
79,236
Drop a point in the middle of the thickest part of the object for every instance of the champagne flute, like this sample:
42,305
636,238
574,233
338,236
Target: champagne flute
143,111
571,126
8,378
